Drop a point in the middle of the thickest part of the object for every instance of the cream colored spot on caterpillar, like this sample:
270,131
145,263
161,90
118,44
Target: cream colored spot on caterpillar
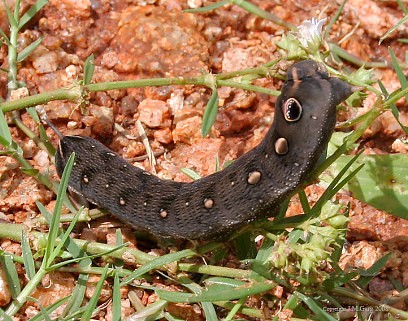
122,201
111,154
93,146
187,203
85,179
281,146
145,203
254,177
314,117
296,164
107,185
208,203
232,183
163,213
124,166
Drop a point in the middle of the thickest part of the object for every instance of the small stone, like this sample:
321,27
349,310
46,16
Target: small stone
154,113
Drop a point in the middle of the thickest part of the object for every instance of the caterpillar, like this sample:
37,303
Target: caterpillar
252,187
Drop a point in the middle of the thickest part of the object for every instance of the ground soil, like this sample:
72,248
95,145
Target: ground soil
148,39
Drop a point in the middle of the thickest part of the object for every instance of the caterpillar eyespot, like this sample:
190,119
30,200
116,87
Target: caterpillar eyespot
252,187
292,110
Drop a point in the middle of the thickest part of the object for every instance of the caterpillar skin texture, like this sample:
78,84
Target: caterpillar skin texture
212,207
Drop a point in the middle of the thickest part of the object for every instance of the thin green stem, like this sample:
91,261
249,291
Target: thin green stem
14,232
233,83
19,301
359,62
73,95
12,60
77,93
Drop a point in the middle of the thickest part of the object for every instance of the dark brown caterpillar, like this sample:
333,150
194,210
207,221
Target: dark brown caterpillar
252,187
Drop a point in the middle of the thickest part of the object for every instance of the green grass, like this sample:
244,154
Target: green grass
293,248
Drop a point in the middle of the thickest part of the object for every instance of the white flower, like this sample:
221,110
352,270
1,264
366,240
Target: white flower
310,31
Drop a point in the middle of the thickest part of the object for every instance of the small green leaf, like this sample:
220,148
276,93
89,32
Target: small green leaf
89,67
210,113
382,182
23,54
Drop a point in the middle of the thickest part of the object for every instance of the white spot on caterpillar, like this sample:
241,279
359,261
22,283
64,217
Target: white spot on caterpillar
187,203
208,203
93,146
254,177
74,164
232,183
122,201
125,166
107,185
85,179
111,154
314,117
296,164
266,155
281,146
145,203
163,213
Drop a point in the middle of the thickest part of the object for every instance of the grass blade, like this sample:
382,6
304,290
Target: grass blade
397,25
160,261
54,225
11,274
116,304
77,296
27,256
90,308
367,275
317,310
30,13
23,54
190,173
209,7
5,316
64,237
4,130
